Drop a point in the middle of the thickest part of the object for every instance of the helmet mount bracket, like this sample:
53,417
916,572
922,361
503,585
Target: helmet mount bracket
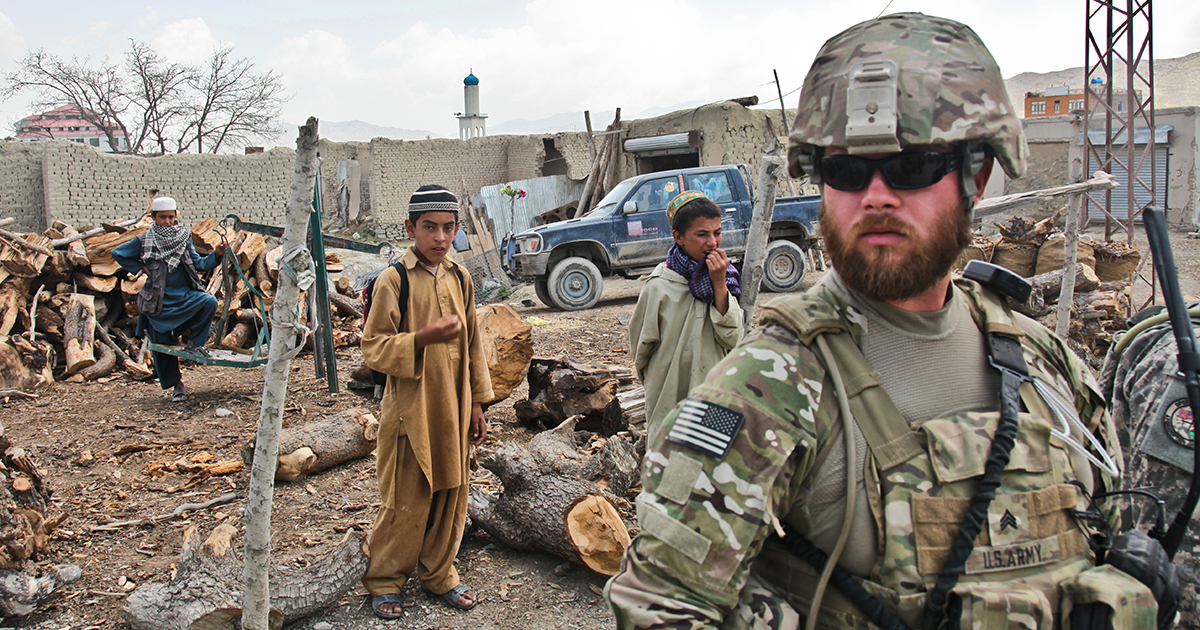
871,113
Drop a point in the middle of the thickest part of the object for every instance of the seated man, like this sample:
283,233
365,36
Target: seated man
173,302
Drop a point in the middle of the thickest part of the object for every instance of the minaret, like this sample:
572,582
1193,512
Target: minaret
471,124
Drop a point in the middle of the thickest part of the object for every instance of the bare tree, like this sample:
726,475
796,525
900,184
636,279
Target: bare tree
158,94
231,103
226,103
96,92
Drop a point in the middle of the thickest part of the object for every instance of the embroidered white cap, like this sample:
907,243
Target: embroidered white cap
162,203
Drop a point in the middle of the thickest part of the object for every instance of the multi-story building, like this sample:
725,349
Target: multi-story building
67,123
1058,100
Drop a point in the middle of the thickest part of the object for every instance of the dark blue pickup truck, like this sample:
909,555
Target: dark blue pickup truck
628,234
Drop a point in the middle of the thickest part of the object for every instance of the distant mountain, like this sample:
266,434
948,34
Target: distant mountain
573,121
1176,82
353,131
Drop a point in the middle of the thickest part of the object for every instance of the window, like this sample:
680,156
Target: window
656,194
1037,107
94,142
715,186
1057,106
1075,104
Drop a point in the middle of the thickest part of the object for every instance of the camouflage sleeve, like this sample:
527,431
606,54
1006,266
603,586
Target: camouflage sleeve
716,478
1047,353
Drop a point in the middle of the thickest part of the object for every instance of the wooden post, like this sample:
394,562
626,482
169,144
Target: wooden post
589,185
587,119
760,228
614,146
1066,298
285,345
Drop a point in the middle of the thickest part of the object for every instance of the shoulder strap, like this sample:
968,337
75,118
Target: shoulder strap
891,440
399,267
462,283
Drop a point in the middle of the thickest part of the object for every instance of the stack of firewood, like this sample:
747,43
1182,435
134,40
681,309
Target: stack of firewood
69,311
1101,304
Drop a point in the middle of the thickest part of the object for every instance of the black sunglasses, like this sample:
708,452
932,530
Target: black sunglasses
903,171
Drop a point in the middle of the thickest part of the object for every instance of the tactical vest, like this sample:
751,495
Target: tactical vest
1032,551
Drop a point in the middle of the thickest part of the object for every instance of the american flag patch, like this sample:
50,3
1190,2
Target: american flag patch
706,427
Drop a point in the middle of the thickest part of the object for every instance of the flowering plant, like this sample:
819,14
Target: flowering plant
513,192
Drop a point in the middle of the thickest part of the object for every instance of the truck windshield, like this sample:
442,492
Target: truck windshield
609,203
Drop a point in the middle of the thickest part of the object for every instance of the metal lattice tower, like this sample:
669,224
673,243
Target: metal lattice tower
1120,33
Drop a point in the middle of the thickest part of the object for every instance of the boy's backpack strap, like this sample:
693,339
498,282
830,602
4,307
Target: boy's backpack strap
399,267
891,440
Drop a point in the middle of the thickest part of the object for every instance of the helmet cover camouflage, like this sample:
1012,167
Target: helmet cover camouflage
949,90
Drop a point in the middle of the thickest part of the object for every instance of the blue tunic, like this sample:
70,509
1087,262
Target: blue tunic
180,300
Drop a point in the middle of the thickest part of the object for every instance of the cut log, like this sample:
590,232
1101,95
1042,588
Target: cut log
25,364
507,346
541,509
131,287
79,324
205,236
252,247
343,287
26,527
14,299
50,323
75,249
349,307
558,390
237,337
614,467
272,262
99,284
58,269
260,274
332,440
333,263
22,256
100,247
206,591
103,366
1049,285
105,268
138,371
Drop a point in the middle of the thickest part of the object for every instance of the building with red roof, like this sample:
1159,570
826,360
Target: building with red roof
68,123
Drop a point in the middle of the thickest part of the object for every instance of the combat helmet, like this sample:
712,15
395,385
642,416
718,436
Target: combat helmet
906,79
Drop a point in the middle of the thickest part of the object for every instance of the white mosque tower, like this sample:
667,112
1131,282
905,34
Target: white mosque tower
471,124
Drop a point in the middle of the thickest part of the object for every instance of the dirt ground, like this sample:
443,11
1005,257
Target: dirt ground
517,590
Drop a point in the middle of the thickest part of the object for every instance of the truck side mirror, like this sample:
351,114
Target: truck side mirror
630,207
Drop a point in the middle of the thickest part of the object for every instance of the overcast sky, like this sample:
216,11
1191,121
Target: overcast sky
402,63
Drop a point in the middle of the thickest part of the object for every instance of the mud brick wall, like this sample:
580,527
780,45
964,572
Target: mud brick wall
729,134
573,146
21,193
85,187
399,167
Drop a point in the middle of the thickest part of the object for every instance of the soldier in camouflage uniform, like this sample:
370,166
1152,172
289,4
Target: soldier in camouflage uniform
860,414
1144,398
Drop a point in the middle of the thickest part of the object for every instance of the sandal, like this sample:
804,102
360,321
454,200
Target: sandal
180,395
390,598
453,595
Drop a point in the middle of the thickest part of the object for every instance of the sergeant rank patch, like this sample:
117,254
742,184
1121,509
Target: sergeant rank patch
706,427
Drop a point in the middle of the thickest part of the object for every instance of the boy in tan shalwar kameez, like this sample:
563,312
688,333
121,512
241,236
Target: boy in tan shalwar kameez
437,380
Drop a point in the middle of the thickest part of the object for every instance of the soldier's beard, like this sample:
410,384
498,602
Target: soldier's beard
894,272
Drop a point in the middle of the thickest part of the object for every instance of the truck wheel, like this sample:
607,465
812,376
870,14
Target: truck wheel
784,267
575,284
542,287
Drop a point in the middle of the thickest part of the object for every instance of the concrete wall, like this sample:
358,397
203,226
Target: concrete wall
1050,139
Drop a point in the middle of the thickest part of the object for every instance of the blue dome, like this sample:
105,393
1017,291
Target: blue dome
471,79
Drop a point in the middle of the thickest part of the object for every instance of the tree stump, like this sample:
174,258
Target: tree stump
206,591
558,390
79,323
543,507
